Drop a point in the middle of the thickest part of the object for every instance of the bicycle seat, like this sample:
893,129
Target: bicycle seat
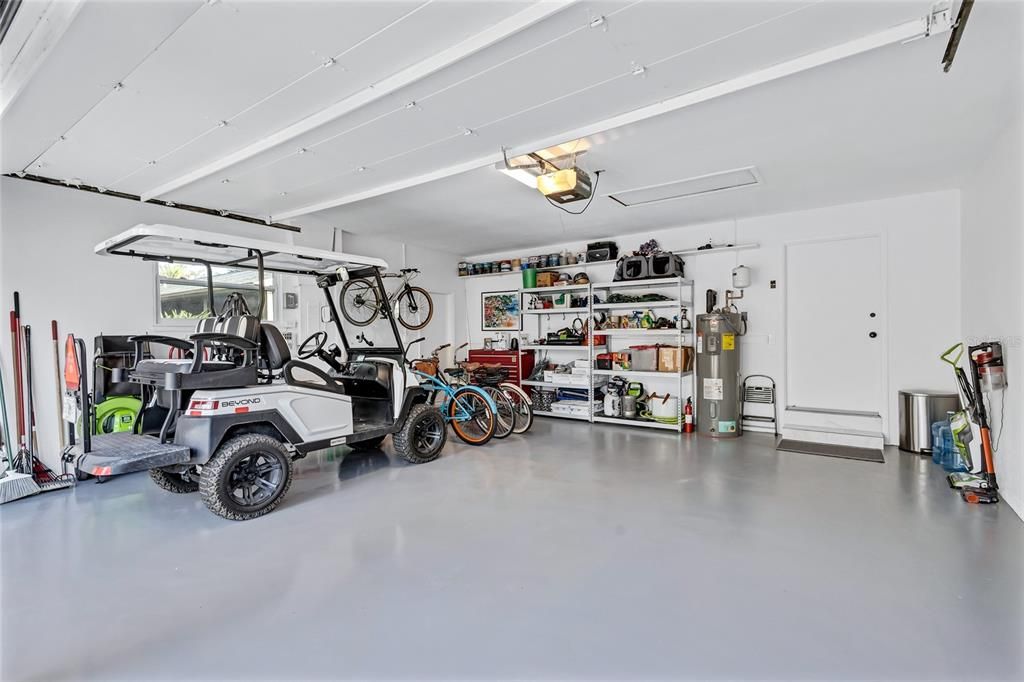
455,372
405,270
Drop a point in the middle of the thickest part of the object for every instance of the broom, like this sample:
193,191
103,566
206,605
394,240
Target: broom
13,485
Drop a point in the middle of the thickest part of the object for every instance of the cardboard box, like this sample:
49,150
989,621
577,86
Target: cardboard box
669,359
672,359
546,279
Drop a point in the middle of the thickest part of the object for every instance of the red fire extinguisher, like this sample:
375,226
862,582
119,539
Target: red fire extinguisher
688,416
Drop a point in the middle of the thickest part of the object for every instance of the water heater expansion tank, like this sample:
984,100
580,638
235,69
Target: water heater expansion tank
740,277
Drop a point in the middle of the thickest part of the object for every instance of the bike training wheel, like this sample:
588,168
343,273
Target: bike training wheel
505,415
471,417
414,308
522,405
359,302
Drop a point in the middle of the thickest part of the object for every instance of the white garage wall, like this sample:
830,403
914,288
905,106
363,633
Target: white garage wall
993,250
47,235
921,237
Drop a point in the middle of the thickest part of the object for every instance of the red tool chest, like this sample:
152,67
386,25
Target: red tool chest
510,359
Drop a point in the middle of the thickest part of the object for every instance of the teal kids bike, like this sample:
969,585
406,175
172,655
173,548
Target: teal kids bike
469,409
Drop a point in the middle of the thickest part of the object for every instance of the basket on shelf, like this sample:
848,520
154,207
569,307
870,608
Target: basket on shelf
542,399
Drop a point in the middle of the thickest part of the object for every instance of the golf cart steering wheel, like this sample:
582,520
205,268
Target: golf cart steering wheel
312,345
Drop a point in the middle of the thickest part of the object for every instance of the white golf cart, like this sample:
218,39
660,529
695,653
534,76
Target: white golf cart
231,412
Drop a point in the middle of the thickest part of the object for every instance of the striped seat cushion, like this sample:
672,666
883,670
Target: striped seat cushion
246,326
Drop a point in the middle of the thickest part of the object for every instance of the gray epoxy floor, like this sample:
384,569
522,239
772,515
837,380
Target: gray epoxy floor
577,552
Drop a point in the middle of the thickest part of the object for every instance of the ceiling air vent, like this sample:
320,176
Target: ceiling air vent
691,187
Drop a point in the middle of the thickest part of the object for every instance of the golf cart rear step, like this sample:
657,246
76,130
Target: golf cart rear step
123,453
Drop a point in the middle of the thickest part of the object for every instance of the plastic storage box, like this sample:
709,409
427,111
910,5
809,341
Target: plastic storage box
643,358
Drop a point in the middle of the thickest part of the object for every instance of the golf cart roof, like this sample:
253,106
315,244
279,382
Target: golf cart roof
179,244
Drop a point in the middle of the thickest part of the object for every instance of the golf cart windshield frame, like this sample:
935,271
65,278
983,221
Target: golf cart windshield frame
325,266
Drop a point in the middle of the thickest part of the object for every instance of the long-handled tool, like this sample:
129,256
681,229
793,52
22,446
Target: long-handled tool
44,476
13,484
56,382
24,457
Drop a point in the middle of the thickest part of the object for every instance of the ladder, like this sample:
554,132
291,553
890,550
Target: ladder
761,392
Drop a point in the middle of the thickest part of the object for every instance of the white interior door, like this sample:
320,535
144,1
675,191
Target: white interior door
834,351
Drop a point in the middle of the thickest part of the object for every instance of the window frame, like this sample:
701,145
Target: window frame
274,306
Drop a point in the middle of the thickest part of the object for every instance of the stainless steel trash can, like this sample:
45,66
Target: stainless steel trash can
918,409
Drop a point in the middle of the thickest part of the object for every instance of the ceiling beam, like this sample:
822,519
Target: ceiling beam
496,33
50,26
905,32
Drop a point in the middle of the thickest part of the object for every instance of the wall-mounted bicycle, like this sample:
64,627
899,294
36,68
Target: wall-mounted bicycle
361,305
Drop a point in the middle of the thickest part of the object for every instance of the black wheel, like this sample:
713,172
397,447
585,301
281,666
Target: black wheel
422,436
247,477
414,308
172,482
359,301
369,444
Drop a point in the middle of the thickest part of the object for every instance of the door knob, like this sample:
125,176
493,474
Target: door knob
873,334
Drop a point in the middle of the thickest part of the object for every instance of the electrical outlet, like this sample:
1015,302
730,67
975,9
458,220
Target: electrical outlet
772,285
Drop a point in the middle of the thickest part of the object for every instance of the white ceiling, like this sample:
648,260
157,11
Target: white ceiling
883,123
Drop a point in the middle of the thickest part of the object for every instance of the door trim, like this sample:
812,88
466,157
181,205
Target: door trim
882,327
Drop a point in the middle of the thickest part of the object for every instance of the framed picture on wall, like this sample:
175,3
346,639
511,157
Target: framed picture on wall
500,311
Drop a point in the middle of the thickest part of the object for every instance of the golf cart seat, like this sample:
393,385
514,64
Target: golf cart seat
274,351
220,345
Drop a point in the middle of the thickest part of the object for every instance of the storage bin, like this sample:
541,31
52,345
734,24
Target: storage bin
644,358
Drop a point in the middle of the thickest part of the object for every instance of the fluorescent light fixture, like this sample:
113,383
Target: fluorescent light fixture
520,175
690,187
526,170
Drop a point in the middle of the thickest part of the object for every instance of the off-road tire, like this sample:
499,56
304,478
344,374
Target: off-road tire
368,444
214,479
405,440
172,482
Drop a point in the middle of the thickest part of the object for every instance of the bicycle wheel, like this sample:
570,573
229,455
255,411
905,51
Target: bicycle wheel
471,417
414,308
359,301
505,415
522,405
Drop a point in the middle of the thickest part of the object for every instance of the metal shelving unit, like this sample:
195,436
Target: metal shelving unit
681,297
684,338
542,314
